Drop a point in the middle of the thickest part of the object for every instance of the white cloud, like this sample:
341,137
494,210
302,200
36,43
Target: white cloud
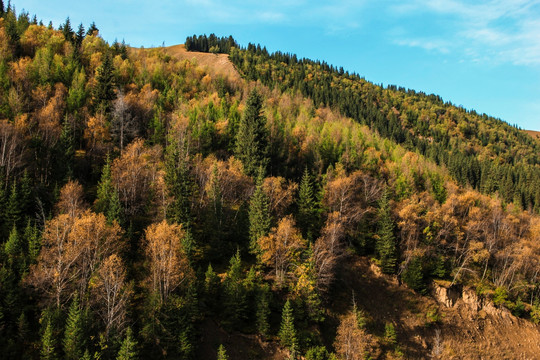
500,31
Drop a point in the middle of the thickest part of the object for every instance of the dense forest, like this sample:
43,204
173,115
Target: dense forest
142,196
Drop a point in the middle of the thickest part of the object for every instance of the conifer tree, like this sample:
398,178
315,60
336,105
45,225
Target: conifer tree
386,240
287,331
222,354
179,182
263,310
13,210
80,36
307,209
128,350
13,248
259,215
211,287
2,8
235,294
67,30
48,351
252,136
31,236
74,334
92,28
104,91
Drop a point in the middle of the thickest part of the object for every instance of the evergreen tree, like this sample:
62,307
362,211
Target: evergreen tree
263,310
104,91
13,248
259,215
108,200
31,235
287,331
80,36
74,334
128,350
2,8
13,210
48,351
179,182
234,294
92,29
222,354
67,30
211,288
252,136
386,240
307,209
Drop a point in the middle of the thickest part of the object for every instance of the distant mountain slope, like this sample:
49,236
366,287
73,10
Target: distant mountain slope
533,133
481,151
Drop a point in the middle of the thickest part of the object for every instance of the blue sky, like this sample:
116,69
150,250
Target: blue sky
484,55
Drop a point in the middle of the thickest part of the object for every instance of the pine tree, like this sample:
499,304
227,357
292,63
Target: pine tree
211,288
104,91
263,310
108,200
252,136
92,29
74,334
31,236
287,332
48,351
307,209
222,354
128,350
259,216
2,8
67,30
386,240
13,211
13,248
80,36
234,294
179,182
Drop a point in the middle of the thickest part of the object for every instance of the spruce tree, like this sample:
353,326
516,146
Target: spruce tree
104,90
33,241
287,332
67,30
263,310
74,334
179,182
259,216
128,350
234,294
252,136
211,288
386,240
307,209
13,211
2,8
13,248
222,354
48,351
92,28
80,36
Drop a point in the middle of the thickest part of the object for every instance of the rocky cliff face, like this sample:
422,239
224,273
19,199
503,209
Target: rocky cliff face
474,328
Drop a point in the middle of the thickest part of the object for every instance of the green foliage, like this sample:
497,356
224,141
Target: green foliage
390,335
252,136
222,354
414,275
433,316
287,331
386,241
128,350
307,207
259,216
500,296
48,350
263,310
104,90
235,297
535,313
179,182
210,43
74,335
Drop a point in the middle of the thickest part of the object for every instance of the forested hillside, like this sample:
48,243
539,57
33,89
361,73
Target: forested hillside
149,205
